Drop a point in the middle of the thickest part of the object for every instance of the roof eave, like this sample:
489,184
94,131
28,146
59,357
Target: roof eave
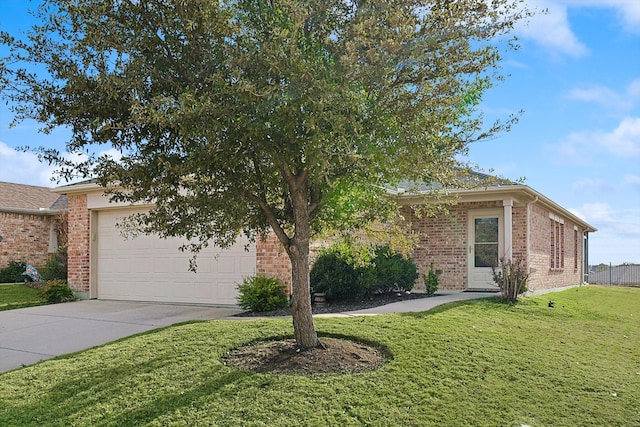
79,188
40,211
502,191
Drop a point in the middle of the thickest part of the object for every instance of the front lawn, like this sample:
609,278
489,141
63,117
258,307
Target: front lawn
18,296
480,363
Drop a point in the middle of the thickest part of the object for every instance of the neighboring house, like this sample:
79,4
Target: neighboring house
30,223
486,223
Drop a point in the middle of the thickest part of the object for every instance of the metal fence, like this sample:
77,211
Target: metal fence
619,275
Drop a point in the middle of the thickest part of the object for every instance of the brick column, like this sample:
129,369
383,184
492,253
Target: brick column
508,228
78,243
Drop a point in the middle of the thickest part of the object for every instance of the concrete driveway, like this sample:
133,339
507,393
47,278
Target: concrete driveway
32,334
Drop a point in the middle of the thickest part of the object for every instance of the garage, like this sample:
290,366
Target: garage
148,268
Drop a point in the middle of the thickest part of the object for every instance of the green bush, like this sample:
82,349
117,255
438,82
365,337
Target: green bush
351,272
56,291
432,280
258,293
336,277
56,266
389,272
13,272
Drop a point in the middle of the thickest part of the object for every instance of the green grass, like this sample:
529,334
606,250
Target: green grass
480,363
18,296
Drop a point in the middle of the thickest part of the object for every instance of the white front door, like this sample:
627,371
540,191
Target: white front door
486,237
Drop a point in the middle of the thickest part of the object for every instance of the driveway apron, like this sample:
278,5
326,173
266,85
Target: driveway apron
32,334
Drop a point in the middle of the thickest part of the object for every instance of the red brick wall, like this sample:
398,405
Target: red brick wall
543,276
519,234
24,238
78,246
272,260
443,241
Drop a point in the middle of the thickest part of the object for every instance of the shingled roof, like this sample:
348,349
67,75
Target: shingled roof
30,199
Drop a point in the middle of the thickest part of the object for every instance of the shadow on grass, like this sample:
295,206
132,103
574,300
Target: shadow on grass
70,398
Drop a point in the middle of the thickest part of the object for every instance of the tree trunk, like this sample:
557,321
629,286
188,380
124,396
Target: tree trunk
298,251
303,327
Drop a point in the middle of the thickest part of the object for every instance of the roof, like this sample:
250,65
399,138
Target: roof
478,187
496,190
30,199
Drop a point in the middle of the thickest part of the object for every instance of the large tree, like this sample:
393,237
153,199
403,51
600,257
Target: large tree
246,116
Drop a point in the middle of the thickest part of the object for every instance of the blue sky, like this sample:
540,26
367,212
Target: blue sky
577,78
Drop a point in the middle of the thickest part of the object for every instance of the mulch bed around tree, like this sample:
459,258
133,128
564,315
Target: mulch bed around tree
338,355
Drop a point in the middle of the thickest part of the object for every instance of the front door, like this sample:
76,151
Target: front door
485,246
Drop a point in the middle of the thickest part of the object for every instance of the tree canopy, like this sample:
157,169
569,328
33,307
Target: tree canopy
247,115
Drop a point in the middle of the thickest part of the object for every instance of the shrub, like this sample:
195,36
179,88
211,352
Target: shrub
432,280
56,291
258,293
352,271
13,272
512,279
389,272
336,276
56,265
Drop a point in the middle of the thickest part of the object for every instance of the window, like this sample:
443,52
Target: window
486,244
556,255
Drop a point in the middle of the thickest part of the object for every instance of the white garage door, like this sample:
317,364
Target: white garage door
147,268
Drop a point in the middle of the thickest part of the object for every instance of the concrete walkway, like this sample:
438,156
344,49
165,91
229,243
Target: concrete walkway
423,304
29,335
32,334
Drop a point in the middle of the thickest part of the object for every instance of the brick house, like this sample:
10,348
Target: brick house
31,223
485,224
508,221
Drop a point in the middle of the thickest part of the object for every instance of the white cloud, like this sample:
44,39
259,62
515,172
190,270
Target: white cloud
607,97
592,185
627,11
25,168
634,89
618,237
601,95
595,212
552,29
623,142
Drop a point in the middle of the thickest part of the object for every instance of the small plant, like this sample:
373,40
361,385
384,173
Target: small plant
259,293
56,265
13,272
56,291
432,280
512,279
